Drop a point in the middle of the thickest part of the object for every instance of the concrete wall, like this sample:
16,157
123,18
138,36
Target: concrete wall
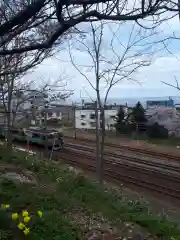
85,118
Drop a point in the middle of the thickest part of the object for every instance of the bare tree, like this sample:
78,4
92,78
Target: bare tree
12,69
109,63
61,16
16,97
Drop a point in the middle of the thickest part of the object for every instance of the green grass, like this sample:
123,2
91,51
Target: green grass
170,141
61,194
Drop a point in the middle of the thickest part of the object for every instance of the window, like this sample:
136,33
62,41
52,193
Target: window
83,124
35,135
50,136
93,124
92,116
83,116
15,131
49,114
58,114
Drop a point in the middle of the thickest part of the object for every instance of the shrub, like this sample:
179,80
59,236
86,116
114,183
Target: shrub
123,128
157,131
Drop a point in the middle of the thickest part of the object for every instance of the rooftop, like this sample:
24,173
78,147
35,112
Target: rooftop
42,130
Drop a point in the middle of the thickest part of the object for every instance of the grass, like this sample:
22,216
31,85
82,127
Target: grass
71,204
170,141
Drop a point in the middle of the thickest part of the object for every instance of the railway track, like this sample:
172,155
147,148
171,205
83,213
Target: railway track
135,150
164,182
154,181
125,159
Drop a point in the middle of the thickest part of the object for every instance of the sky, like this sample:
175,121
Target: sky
165,64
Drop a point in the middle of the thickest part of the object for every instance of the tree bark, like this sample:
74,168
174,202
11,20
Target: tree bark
9,136
102,145
46,136
99,172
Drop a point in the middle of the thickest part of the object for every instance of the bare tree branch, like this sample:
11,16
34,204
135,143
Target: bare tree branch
109,62
176,86
36,15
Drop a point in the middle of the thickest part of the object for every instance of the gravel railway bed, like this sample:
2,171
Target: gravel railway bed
115,162
146,179
126,158
154,181
135,150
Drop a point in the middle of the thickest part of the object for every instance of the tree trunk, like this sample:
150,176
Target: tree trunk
74,122
9,136
99,175
46,136
102,145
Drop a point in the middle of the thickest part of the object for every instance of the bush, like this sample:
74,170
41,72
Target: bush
157,131
123,128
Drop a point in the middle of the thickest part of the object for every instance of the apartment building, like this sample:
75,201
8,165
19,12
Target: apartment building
85,116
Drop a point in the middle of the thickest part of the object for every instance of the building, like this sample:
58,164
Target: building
67,113
85,116
31,106
161,103
27,99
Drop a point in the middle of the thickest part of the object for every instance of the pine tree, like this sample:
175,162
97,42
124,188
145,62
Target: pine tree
138,114
120,119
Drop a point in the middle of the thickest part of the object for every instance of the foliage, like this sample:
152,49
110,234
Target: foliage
120,115
138,114
61,191
157,131
138,118
120,119
122,122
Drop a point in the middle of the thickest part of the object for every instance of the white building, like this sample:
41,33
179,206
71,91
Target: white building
28,99
85,118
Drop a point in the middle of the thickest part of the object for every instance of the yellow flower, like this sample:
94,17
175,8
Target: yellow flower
21,226
39,213
27,219
5,206
14,216
26,231
25,213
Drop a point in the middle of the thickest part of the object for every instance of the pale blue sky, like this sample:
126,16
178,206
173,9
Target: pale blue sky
164,67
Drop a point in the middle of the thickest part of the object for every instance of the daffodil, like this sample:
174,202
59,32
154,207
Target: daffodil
5,206
25,213
21,226
39,213
26,231
27,219
14,216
